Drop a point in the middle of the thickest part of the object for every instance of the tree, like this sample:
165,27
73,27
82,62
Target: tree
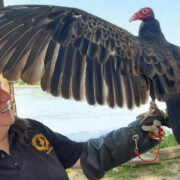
8,86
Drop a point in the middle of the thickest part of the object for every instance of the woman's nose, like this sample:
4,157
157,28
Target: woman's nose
4,96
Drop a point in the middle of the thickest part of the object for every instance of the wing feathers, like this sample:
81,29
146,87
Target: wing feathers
92,50
15,64
143,88
89,85
97,36
109,82
98,82
38,45
56,80
34,69
158,87
62,32
78,30
77,42
78,64
84,46
12,40
135,90
118,89
67,71
128,91
103,54
8,28
8,46
63,47
50,60
4,22
167,83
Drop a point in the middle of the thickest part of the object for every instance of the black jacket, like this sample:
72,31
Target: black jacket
46,158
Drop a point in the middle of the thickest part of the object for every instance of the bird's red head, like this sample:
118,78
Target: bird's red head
143,14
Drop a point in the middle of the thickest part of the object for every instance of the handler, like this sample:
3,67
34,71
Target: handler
31,151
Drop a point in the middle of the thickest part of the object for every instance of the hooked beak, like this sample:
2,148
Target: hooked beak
131,19
135,17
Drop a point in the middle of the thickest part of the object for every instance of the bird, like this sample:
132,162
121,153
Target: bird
75,54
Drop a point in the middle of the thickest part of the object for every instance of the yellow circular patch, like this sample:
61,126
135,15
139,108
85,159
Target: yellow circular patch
40,142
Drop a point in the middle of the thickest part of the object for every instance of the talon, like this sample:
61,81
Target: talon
153,111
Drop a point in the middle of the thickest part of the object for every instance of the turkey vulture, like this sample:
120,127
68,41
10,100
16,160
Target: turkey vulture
72,52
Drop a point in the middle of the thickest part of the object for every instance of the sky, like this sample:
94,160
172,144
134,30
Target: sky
119,11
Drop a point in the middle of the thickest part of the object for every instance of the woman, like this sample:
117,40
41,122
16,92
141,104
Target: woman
29,150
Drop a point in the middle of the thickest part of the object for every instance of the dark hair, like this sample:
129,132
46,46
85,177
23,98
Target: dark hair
23,131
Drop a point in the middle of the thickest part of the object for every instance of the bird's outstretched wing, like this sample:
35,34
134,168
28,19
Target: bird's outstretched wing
74,53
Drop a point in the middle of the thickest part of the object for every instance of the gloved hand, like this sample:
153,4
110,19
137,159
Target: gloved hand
116,147
152,123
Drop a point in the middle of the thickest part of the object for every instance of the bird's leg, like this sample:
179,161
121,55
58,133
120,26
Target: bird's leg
152,108
150,112
153,111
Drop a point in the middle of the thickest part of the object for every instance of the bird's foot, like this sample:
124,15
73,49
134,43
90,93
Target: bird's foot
153,111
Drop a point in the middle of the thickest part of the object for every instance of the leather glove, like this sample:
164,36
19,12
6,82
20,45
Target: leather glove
111,150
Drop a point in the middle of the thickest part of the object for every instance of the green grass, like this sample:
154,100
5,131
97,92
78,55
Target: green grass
20,83
124,172
155,168
166,173
168,141
174,161
128,171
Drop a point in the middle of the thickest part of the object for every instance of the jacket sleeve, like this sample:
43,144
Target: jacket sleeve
113,149
68,151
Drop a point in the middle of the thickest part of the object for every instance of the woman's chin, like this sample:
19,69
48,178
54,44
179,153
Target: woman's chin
7,118
12,119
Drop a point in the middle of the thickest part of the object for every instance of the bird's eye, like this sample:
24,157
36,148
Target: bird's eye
144,11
